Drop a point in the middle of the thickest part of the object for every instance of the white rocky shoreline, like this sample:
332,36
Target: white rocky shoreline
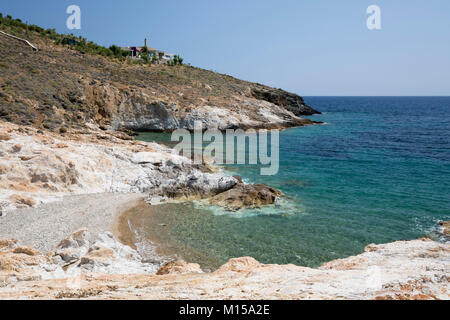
53,187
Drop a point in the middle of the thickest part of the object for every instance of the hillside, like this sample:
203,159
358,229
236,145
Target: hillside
60,87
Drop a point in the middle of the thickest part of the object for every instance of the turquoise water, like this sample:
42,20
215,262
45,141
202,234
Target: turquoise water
376,172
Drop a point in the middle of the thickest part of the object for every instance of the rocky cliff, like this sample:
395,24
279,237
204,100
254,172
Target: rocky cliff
287,100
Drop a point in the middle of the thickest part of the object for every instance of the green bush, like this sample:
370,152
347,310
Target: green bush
118,52
115,50
177,60
145,57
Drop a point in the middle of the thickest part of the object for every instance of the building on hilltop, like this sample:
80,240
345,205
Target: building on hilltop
156,56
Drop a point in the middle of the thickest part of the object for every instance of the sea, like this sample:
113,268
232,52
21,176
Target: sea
376,171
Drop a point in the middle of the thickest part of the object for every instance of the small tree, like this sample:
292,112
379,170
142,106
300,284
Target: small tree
145,57
116,51
177,60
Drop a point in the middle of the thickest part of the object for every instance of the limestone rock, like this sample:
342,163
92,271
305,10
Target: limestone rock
16,148
100,256
290,101
179,267
107,255
72,248
8,244
4,137
27,250
246,196
191,184
68,255
86,165
445,226
22,201
76,240
416,269
239,265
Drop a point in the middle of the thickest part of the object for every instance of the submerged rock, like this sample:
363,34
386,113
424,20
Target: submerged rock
246,196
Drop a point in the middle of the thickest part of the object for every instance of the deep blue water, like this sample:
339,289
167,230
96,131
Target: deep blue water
376,172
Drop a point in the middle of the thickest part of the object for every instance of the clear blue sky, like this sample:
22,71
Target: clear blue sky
311,47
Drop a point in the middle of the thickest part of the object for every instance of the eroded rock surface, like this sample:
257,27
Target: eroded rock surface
289,101
246,196
47,166
445,229
64,89
417,269
179,267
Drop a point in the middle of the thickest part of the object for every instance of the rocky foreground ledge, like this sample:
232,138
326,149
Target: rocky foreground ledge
106,269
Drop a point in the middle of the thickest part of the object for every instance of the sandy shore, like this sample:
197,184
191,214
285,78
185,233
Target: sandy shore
45,226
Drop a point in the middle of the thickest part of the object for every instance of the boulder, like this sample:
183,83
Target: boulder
100,256
4,137
69,255
72,248
244,264
246,196
192,184
76,240
16,148
445,228
179,267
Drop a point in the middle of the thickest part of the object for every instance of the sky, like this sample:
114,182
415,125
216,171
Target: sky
310,47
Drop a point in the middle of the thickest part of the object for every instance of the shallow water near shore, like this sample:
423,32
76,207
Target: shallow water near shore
377,172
